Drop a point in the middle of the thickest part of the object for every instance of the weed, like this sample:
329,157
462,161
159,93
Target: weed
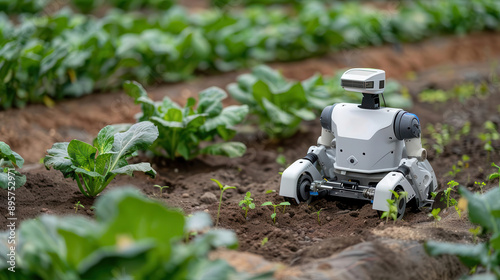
161,188
435,215
222,189
78,205
247,203
273,215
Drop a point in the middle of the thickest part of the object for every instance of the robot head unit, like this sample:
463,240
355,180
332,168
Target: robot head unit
370,82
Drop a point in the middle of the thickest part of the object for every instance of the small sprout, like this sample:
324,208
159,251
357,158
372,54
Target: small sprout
273,215
270,191
433,194
264,241
475,232
457,168
161,188
450,201
77,205
317,213
435,215
481,185
222,189
247,203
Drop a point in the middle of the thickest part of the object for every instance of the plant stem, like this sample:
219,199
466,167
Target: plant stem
80,185
218,211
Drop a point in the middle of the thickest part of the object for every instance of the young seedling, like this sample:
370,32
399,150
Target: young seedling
270,191
450,201
317,213
264,241
222,189
281,159
273,215
475,232
393,209
481,185
77,205
247,203
457,168
161,188
435,215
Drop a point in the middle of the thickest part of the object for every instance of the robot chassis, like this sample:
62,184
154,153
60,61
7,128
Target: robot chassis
364,152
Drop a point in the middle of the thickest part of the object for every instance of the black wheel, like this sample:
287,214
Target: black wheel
304,187
401,204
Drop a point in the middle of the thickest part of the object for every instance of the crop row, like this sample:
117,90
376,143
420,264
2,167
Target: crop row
84,6
68,55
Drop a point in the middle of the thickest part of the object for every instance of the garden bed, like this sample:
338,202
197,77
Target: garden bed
297,238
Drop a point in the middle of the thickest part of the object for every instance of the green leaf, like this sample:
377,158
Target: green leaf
229,149
130,169
470,255
7,154
82,154
218,183
286,203
58,159
229,117
105,139
482,207
273,215
19,180
210,101
267,203
139,137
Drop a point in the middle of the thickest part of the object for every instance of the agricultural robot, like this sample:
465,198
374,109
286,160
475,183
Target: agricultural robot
364,152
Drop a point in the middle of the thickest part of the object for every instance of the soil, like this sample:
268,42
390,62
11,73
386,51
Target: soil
297,238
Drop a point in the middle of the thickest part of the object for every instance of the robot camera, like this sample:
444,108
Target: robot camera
364,80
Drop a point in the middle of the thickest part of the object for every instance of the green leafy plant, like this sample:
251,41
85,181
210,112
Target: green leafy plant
9,160
280,105
78,205
247,203
222,189
435,215
95,166
318,213
182,130
132,237
273,215
484,211
392,213
161,188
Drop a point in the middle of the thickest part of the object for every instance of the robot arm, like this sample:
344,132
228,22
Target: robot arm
407,127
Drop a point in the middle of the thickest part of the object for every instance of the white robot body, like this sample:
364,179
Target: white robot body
364,152
356,130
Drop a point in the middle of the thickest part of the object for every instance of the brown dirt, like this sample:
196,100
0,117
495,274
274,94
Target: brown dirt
296,238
